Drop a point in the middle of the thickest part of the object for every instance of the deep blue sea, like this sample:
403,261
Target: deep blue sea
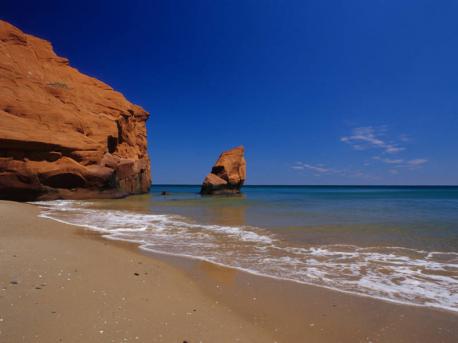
397,244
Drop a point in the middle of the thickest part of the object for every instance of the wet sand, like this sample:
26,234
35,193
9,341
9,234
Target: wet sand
63,284
294,312
59,285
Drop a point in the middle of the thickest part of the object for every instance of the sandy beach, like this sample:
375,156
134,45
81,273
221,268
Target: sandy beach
60,283
228,171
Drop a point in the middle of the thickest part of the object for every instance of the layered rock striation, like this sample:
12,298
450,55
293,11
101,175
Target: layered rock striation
228,174
64,134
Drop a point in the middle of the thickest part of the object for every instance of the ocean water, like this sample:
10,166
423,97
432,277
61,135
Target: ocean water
397,244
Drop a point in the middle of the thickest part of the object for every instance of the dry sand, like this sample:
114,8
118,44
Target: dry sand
60,283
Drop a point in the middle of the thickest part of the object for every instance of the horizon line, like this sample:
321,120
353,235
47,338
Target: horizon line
315,185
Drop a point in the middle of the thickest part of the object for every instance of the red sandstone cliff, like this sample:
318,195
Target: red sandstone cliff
64,134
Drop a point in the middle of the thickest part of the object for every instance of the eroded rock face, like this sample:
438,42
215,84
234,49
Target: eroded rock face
64,134
228,174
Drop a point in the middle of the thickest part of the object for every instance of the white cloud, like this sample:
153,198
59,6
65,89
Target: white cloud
401,163
388,160
319,168
368,137
417,162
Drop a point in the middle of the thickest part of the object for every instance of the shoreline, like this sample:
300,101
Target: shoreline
294,310
268,309
165,256
176,258
404,297
59,283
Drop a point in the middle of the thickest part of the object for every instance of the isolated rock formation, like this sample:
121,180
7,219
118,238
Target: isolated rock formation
228,174
64,134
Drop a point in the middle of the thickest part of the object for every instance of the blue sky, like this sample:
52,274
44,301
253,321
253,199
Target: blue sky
319,92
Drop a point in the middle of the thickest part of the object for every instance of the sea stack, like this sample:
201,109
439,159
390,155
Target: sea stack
228,173
64,134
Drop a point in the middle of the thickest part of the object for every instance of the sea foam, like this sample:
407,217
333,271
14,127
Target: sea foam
397,274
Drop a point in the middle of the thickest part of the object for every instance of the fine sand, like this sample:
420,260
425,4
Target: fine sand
60,283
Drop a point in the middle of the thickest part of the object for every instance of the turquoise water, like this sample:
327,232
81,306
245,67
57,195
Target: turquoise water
393,243
415,217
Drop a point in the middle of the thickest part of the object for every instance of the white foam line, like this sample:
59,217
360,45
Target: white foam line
111,234
254,272
92,228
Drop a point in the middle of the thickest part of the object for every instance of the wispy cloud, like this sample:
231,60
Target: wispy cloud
417,162
319,169
369,137
413,163
388,160
387,150
377,139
